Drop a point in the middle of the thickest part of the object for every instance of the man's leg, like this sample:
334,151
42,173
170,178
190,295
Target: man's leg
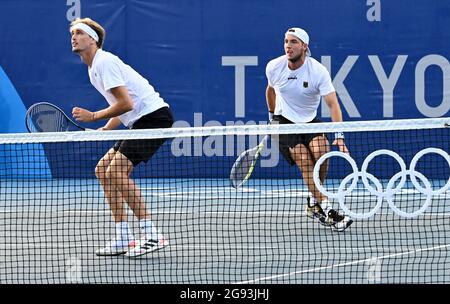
305,161
119,173
318,146
113,196
124,237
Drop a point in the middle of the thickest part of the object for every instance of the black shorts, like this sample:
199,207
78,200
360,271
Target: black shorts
138,150
286,141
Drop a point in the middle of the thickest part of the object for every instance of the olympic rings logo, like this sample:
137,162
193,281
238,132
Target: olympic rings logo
378,191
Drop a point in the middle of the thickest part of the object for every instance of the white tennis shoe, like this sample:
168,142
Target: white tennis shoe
145,246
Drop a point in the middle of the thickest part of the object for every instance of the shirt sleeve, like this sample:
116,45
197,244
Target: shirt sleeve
111,75
269,74
325,84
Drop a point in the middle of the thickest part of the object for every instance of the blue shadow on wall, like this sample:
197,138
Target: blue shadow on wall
12,156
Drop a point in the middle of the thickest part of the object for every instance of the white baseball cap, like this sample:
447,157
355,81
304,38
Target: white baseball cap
300,34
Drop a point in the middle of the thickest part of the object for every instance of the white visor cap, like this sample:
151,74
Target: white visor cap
300,34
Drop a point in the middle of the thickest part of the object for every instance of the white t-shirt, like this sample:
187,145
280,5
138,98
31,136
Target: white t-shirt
108,71
298,91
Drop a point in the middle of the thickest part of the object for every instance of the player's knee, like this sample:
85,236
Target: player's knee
100,171
319,148
320,143
109,174
303,156
113,173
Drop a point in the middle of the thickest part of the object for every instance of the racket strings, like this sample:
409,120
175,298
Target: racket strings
44,117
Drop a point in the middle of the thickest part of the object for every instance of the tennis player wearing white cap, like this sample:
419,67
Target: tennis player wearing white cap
296,82
134,103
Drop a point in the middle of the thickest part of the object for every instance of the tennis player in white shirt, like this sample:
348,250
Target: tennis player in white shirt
134,103
296,83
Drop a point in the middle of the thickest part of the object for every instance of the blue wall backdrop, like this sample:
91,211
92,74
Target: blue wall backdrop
388,59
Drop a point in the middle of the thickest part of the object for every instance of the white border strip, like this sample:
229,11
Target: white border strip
326,127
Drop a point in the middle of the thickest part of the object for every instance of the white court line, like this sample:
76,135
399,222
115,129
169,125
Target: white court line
245,214
158,188
193,187
177,247
219,197
271,192
201,191
26,212
342,264
206,188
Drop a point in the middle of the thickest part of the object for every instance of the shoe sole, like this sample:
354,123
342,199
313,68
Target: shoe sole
133,244
110,254
342,229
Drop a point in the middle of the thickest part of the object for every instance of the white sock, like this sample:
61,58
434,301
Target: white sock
123,231
148,229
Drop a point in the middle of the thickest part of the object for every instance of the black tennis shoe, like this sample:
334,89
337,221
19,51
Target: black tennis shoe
338,222
316,212
328,217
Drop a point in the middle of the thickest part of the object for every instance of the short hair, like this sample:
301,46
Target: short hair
95,26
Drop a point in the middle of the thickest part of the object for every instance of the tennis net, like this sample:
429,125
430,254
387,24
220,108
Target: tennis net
394,184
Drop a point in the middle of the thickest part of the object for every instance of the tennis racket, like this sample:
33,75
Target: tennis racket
243,166
46,117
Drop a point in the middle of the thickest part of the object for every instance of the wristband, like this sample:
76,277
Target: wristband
270,116
339,135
